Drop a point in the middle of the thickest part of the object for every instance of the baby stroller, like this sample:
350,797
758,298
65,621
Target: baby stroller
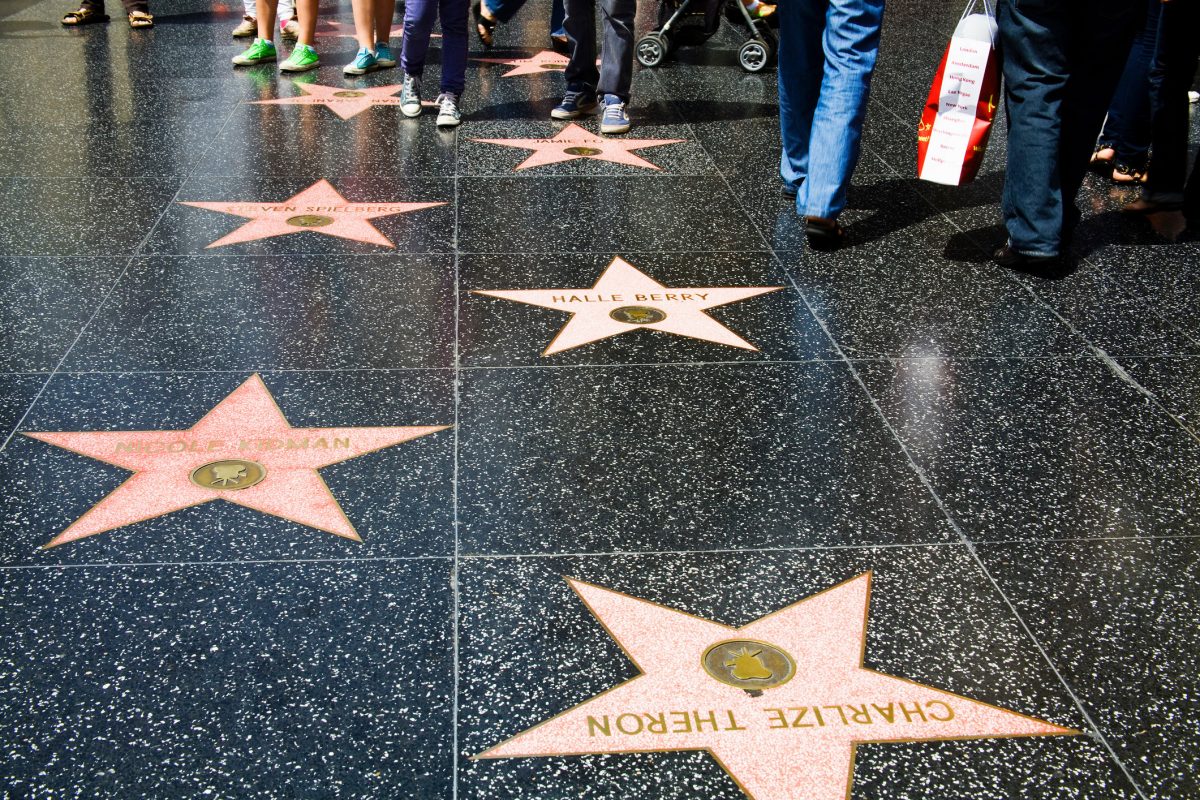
679,23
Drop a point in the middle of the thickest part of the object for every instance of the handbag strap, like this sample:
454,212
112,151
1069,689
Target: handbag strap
988,8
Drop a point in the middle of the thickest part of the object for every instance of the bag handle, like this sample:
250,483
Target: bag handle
988,8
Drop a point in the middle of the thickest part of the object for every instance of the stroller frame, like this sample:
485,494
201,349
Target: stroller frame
754,55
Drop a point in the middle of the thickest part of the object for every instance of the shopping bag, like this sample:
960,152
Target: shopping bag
953,133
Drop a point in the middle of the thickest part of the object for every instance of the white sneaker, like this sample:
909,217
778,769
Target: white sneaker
247,27
289,29
448,113
410,96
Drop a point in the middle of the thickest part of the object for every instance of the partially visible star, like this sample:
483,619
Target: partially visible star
624,299
319,209
262,462
781,703
545,61
574,142
342,101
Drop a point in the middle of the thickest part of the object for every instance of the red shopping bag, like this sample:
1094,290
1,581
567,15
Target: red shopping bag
953,133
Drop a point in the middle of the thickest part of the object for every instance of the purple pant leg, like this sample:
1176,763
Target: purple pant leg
454,45
419,16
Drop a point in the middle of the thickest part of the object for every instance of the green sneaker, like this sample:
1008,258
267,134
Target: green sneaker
260,52
302,59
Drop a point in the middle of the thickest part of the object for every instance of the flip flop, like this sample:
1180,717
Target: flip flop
140,19
484,27
83,16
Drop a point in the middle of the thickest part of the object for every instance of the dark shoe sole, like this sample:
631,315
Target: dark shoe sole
825,239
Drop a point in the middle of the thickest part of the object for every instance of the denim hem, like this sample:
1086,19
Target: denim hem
1035,253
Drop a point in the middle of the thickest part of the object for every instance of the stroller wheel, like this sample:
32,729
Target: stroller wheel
755,55
651,49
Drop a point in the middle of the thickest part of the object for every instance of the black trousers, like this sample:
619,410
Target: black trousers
1170,78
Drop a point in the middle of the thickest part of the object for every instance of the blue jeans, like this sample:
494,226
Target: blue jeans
827,51
1062,61
1127,129
615,75
505,10
419,16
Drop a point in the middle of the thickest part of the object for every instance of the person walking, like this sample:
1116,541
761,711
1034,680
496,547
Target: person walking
490,13
613,80
289,29
91,12
1167,186
262,50
827,54
1124,147
1062,61
373,29
419,16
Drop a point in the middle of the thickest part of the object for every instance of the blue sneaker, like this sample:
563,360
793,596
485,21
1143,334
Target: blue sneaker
615,119
575,104
363,63
383,55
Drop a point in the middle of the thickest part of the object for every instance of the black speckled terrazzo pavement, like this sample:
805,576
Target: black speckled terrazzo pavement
310,516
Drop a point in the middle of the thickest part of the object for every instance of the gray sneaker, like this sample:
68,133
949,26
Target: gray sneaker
448,113
410,96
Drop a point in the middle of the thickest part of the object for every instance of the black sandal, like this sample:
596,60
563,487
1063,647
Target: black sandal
824,234
484,27
83,16
1124,173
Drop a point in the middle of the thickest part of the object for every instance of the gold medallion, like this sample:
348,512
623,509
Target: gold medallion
748,664
310,221
349,93
582,151
553,66
638,315
232,473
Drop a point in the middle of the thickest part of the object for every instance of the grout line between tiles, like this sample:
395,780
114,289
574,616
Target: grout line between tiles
929,487
456,598
600,554
761,362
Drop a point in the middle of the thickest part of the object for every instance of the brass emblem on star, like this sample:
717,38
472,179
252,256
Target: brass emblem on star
749,665
310,221
234,473
638,315
582,151
554,66
350,93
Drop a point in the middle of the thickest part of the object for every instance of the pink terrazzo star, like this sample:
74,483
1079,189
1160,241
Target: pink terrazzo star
545,61
574,142
319,208
794,740
263,463
625,299
346,103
